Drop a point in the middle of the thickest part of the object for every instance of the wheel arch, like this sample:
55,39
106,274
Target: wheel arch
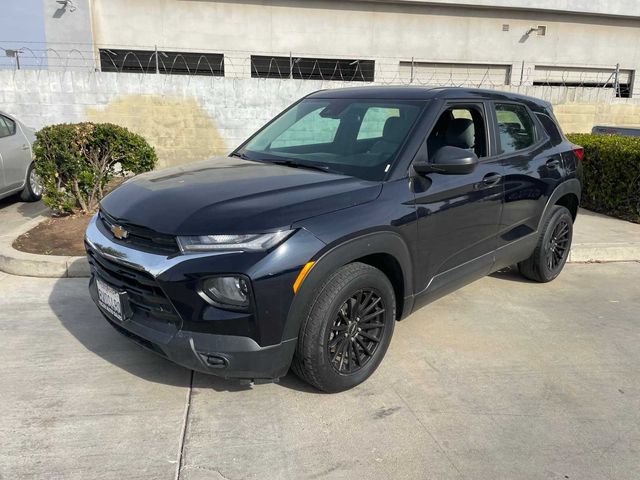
386,251
566,194
571,202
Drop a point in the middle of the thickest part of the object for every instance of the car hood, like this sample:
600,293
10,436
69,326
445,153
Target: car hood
231,195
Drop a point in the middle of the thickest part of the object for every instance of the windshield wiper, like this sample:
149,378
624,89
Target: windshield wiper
310,166
243,156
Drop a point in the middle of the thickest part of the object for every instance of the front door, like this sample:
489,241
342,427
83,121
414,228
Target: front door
458,215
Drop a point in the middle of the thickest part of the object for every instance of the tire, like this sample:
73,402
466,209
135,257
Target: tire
322,357
32,191
552,249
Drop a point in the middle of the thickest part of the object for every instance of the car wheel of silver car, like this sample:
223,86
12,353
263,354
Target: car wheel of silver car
348,329
32,191
552,251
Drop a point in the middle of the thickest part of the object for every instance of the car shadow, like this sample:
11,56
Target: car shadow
70,302
511,274
27,210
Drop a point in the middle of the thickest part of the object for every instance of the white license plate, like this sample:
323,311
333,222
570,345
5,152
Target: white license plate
109,299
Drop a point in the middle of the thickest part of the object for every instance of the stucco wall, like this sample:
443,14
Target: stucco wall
384,31
190,118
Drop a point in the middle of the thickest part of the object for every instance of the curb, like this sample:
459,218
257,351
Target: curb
15,262
604,252
25,264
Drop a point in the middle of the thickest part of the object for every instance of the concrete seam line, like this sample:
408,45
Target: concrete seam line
183,432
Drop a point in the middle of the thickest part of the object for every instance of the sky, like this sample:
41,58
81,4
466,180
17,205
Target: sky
21,25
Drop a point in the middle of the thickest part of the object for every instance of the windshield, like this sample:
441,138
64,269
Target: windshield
355,137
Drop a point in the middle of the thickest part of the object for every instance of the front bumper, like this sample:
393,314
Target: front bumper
226,356
164,313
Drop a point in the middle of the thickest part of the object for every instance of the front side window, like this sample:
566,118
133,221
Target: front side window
515,127
461,127
355,137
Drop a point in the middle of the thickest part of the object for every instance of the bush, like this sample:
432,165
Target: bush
77,161
611,174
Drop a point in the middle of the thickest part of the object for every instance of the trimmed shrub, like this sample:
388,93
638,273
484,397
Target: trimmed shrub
611,174
76,162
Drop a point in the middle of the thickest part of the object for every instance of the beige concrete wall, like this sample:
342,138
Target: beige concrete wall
191,118
581,117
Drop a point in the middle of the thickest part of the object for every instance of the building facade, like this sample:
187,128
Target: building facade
487,43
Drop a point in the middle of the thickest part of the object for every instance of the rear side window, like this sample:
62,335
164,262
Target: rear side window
7,127
551,128
515,127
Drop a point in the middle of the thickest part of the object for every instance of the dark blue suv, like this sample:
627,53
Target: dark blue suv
344,214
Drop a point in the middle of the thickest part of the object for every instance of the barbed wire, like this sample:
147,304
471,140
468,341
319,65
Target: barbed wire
382,70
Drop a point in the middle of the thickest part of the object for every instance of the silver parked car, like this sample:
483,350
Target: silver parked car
16,160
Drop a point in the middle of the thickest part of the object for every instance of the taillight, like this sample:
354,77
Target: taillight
579,151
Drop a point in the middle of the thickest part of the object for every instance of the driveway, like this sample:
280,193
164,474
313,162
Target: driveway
14,213
504,379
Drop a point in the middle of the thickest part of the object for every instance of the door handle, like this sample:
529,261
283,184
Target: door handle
553,163
25,147
491,179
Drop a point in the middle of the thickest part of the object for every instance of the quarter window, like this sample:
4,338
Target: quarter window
551,128
7,127
515,127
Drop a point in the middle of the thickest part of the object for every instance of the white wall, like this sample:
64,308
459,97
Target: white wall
384,31
624,8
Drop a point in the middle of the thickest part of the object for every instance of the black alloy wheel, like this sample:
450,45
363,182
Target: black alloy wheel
347,328
356,332
558,245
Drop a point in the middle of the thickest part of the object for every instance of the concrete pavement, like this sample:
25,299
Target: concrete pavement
598,238
14,213
502,379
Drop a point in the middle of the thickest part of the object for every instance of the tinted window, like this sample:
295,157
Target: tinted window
461,127
354,137
7,127
309,130
374,120
515,127
550,127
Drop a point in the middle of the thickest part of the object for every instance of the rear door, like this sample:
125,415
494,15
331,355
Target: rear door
15,151
458,215
533,167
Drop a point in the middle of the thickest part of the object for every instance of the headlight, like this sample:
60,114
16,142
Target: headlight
252,242
232,291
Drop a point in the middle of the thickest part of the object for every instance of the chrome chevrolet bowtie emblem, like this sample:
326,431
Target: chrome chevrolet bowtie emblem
119,232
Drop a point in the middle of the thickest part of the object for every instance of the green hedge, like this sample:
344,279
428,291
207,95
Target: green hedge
77,161
611,174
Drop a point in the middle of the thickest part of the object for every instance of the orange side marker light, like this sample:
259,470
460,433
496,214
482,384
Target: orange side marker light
301,276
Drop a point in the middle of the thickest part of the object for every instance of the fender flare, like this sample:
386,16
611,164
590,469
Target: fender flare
389,243
569,186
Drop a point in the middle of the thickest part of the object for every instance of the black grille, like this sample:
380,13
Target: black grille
141,238
146,298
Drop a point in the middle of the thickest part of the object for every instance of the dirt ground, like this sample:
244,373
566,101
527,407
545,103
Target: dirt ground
56,236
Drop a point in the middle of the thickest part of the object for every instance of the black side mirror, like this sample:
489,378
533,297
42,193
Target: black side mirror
448,160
